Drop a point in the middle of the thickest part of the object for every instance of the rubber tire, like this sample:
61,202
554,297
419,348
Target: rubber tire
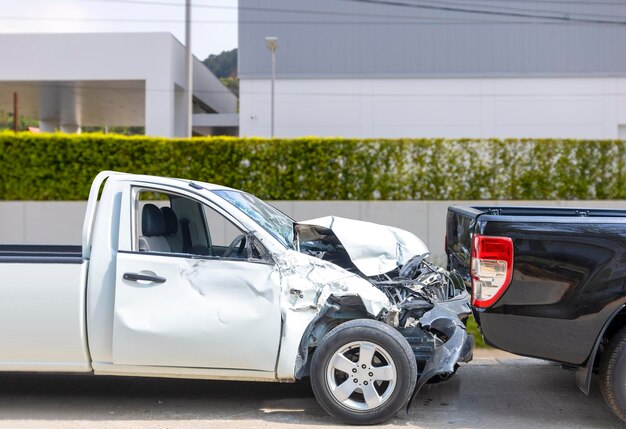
387,338
613,374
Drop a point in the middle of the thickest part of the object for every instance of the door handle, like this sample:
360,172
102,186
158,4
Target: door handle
134,277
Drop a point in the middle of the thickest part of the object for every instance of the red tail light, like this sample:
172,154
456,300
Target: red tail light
492,268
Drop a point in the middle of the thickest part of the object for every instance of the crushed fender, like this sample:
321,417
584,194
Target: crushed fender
426,303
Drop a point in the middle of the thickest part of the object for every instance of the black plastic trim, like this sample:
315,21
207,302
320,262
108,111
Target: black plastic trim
136,277
583,373
41,259
40,254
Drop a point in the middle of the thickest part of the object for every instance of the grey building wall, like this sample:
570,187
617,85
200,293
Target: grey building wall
58,222
405,38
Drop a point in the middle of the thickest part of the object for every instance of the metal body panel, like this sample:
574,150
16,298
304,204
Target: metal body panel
374,249
209,313
108,228
195,373
569,277
42,317
306,285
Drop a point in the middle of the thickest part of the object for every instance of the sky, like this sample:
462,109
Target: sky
214,22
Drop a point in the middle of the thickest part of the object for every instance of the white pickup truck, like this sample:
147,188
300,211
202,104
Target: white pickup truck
176,278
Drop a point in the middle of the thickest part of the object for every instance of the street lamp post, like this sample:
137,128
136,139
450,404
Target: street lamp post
188,72
272,45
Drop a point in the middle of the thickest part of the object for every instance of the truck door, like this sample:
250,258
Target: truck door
194,290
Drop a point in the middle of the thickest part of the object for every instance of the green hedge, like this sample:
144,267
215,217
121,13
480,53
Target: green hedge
61,167
472,329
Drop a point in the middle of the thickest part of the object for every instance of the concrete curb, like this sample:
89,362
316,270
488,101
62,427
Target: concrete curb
498,357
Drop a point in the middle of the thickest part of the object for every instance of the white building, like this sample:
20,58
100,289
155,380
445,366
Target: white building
426,69
75,80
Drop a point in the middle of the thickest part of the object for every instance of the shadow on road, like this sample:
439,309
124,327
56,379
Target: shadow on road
490,396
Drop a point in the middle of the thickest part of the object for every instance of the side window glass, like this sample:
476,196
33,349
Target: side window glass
228,241
171,223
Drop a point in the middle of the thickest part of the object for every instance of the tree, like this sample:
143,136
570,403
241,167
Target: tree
6,122
223,65
231,83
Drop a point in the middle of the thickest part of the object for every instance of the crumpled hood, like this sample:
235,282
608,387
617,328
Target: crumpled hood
373,248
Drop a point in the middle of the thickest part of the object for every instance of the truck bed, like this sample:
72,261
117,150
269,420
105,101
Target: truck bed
505,211
44,305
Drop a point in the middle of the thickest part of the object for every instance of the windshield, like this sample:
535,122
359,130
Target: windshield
278,224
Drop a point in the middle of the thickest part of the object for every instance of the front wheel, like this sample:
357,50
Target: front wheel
363,372
613,374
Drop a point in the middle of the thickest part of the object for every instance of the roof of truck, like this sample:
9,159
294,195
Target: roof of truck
173,181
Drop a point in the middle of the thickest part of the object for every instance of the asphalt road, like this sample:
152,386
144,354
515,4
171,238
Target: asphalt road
489,393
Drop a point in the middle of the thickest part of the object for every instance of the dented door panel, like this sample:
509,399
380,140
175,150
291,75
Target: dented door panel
209,313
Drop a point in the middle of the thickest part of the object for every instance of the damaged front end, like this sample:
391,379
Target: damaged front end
430,309
428,305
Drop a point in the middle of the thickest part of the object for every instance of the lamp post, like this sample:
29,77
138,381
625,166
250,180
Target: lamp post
272,45
188,72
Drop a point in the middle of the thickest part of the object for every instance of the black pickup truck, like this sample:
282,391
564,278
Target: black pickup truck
548,283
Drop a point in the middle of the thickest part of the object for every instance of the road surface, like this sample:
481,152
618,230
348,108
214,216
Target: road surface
495,391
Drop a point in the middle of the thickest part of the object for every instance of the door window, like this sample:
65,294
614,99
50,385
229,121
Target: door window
172,223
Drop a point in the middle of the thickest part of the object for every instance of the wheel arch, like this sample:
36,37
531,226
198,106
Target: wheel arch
335,311
611,326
